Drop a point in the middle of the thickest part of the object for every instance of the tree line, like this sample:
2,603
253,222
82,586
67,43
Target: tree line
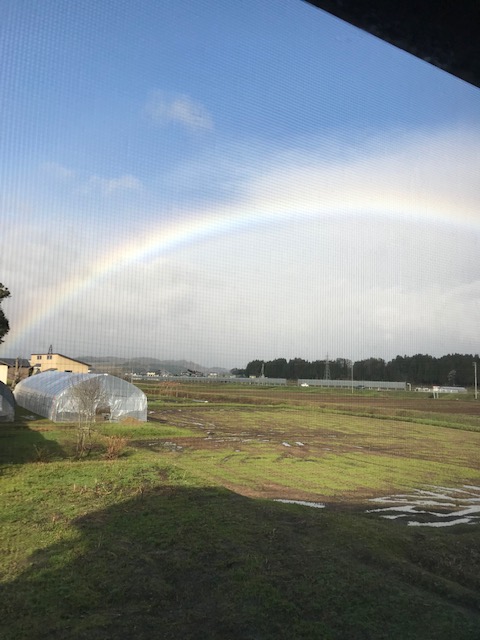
421,369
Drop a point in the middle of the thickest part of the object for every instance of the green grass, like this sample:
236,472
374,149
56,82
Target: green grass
316,478
465,423
182,543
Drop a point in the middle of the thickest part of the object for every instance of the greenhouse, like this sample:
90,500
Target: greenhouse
7,404
69,397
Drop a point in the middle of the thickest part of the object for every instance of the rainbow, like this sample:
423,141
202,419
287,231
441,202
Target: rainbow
186,229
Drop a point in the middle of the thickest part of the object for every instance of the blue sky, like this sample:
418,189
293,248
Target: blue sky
342,174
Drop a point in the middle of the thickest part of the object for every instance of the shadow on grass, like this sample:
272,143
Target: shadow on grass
208,564
19,443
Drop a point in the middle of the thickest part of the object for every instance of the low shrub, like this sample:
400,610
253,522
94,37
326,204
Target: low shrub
115,446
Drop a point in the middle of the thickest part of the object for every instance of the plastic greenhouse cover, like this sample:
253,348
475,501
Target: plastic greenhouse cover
7,404
53,394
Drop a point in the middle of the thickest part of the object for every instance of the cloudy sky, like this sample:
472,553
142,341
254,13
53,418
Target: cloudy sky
225,181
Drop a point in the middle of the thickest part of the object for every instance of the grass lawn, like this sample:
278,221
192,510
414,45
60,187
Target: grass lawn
179,537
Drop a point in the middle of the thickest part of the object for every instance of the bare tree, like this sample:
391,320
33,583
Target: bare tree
89,397
168,388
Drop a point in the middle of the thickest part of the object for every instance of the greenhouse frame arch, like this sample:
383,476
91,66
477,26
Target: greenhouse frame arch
69,397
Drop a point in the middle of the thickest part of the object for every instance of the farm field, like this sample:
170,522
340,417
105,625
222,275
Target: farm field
173,528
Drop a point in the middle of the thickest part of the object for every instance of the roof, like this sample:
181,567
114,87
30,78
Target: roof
444,33
62,356
12,362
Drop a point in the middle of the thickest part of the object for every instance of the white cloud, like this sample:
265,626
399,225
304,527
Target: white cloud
108,186
163,109
409,173
127,182
312,275
57,171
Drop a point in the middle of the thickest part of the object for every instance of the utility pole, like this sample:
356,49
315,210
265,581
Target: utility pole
352,375
476,386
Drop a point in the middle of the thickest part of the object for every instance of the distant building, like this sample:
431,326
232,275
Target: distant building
358,384
57,362
15,369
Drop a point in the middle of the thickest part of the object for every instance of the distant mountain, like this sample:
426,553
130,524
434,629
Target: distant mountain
94,359
140,365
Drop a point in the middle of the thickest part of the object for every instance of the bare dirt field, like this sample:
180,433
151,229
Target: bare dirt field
452,405
447,404
319,445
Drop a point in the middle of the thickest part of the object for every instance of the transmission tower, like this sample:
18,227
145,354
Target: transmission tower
326,375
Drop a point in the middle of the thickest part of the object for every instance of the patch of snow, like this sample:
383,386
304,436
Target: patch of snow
423,503
463,506
392,498
462,512
173,446
316,505
432,494
413,523
406,509
285,444
300,444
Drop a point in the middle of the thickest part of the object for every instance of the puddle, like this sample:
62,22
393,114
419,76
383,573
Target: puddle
432,507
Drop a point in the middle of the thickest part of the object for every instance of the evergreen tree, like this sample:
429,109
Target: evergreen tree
4,326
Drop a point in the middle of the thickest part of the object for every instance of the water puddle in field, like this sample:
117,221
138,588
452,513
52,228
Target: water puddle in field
432,507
